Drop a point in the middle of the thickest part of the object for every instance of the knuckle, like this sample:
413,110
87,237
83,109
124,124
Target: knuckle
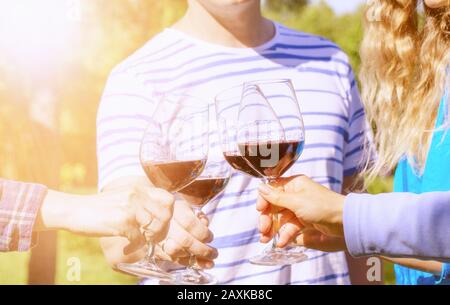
205,235
186,240
130,220
207,252
159,226
189,223
169,200
134,191
165,216
171,248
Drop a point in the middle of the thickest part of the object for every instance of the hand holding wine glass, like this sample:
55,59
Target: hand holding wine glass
311,214
188,236
208,186
262,135
173,153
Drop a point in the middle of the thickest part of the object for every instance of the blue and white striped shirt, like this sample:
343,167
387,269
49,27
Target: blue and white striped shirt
333,115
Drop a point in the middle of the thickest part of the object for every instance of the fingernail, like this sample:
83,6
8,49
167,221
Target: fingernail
264,189
215,254
209,265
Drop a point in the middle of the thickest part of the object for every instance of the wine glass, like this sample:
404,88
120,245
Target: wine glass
227,112
173,153
260,123
206,188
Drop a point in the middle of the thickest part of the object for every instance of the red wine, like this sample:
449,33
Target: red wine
203,190
238,162
172,176
272,159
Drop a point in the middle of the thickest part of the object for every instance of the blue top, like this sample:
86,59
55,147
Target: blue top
434,179
372,226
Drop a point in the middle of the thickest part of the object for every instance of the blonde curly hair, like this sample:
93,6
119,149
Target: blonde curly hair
403,75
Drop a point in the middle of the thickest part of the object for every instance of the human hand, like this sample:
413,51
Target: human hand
188,235
126,212
306,204
314,239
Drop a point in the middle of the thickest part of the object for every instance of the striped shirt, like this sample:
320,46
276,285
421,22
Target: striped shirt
19,207
333,115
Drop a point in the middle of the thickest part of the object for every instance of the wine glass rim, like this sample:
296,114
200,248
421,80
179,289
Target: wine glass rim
262,81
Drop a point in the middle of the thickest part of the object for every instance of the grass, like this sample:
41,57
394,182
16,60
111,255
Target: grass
71,250
93,267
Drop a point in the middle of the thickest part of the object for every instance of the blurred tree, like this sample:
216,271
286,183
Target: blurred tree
320,19
108,32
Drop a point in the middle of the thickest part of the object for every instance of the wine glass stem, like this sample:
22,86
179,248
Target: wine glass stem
275,218
191,269
275,228
150,256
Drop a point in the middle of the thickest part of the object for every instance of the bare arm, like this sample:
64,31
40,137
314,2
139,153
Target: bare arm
433,267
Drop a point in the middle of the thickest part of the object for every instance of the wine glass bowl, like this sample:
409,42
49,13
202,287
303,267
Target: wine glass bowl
203,190
173,153
227,105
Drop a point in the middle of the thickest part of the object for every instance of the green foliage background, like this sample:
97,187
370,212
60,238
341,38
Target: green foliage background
112,29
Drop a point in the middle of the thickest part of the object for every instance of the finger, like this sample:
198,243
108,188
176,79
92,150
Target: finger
136,239
197,248
280,182
205,264
265,238
199,263
163,198
191,223
299,240
203,218
143,217
290,227
261,204
288,232
191,244
315,240
265,224
279,198
173,249
312,239
157,230
286,183
158,210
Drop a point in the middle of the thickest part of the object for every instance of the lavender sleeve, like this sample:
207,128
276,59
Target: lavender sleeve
398,225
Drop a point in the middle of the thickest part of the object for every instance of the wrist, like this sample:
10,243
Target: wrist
337,213
63,212
57,212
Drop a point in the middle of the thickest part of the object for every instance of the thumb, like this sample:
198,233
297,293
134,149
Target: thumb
137,241
279,198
